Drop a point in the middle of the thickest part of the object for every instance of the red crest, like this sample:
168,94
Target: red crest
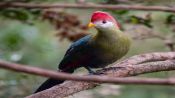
99,15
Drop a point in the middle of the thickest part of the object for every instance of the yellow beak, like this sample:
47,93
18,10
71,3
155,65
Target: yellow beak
91,25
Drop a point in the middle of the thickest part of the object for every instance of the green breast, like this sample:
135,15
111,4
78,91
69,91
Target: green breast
112,45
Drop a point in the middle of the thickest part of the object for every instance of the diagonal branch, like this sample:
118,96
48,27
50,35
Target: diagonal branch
139,64
95,78
87,6
135,65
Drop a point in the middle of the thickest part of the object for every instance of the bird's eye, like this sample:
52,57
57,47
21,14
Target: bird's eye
103,21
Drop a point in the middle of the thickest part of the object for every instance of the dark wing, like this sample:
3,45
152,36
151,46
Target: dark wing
74,54
78,45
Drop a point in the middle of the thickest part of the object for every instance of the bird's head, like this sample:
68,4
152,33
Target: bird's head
103,20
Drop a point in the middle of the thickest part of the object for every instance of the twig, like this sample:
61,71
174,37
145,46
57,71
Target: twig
89,78
135,65
88,6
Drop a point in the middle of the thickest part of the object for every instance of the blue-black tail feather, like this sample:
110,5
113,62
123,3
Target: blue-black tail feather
48,84
52,82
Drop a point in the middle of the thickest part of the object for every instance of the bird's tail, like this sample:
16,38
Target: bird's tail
48,84
51,82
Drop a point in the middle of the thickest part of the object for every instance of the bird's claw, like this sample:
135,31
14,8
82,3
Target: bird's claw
95,73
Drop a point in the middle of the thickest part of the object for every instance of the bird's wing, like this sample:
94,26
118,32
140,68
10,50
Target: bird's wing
74,54
78,45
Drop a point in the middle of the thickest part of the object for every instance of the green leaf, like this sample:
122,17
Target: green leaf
170,19
19,14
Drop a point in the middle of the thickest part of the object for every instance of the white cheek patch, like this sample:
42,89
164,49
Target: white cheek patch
100,24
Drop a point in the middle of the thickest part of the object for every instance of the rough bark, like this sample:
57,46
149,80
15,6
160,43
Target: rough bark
136,65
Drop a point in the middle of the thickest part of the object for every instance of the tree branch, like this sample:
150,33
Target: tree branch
135,65
132,66
90,78
87,6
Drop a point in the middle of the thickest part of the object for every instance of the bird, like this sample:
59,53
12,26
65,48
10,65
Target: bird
96,50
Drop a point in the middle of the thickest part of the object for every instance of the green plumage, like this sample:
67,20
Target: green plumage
94,51
111,43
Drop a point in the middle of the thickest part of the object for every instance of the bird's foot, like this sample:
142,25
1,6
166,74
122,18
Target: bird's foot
94,73
91,72
110,68
104,70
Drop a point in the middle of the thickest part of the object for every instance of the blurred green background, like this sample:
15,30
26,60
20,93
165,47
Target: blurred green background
32,37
